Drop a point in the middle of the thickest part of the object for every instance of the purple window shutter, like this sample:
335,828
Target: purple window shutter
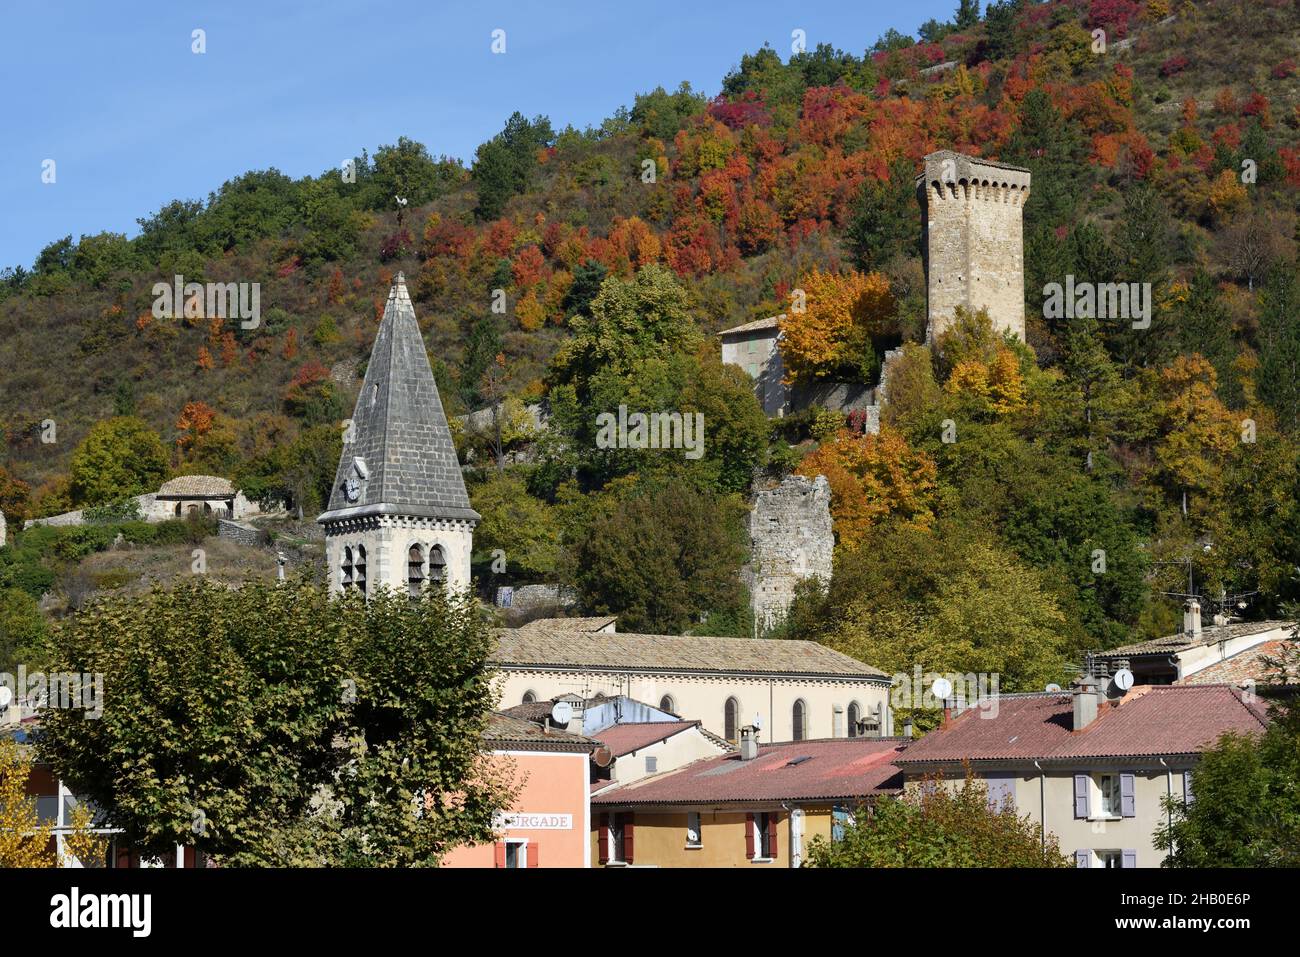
1081,785
1083,858
1130,858
1189,797
1128,795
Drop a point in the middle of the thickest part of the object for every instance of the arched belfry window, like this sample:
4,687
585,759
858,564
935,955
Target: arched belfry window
359,569
437,564
855,718
345,570
415,570
799,715
731,720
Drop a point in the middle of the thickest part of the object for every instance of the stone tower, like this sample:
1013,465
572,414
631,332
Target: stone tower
790,540
398,513
974,248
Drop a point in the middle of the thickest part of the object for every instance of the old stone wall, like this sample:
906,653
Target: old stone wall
790,540
974,248
239,532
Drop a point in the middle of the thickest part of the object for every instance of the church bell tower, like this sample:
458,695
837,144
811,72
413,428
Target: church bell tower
398,514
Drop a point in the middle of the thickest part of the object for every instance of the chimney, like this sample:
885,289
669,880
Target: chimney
1192,618
907,726
748,743
1085,700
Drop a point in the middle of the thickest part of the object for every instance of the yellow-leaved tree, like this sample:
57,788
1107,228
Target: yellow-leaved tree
827,331
26,840
873,476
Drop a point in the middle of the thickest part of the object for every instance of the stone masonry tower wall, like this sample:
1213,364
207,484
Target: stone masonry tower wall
974,248
791,540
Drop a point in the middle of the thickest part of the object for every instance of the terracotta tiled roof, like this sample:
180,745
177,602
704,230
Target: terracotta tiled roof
198,486
625,738
549,647
826,769
1245,666
569,624
1172,644
515,734
771,322
1150,721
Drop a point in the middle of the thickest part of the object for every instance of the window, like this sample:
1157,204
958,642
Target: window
1110,859
616,838
1108,786
359,569
530,697
763,836
855,718
516,854
345,577
415,570
437,564
731,720
693,834
797,733
651,764
666,703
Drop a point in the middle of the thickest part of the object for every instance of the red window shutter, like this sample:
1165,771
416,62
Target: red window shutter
628,830
603,841
534,853
771,835
749,836
500,849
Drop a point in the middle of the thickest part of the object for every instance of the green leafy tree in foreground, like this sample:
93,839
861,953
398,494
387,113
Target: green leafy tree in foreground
1246,790
937,826
274,725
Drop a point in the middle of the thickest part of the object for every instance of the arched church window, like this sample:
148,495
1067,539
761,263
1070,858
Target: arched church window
731,720
530,697
798,715
437,564
855,718
178,509
666,703
345,577
415,570
359,569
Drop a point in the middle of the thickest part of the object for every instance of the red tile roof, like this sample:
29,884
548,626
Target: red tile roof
1248,665
827,769
1149,721
625,738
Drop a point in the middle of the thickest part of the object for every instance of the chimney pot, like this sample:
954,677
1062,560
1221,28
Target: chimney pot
748,743
1192,618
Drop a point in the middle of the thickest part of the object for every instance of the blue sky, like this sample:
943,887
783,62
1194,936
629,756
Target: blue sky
133,119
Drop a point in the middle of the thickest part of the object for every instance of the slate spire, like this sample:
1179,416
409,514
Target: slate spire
400,459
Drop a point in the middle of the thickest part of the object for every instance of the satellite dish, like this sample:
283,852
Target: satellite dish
561,712
941,688
5,696
603,757
1053,687
1124,679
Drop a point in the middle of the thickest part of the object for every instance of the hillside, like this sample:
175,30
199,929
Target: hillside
720,206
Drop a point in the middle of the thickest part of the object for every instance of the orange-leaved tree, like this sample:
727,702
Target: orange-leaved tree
871,477
827,331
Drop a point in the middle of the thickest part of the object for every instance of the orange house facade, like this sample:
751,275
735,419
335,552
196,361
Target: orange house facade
550,820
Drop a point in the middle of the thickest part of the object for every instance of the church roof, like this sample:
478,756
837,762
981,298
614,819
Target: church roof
399,431
521,648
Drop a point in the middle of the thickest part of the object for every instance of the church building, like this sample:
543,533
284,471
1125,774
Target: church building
398,513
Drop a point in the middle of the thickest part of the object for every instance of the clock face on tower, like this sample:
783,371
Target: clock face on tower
352,489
